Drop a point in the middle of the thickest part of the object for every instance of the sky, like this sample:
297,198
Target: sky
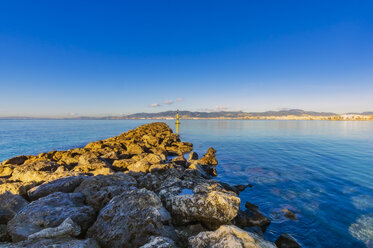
70,58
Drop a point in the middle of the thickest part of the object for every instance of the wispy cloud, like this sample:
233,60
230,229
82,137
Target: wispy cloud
221,108
168,102
179,99
155,105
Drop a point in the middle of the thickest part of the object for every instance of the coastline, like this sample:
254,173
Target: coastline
143,170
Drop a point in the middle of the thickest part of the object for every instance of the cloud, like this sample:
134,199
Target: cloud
168,102
179,99
155,105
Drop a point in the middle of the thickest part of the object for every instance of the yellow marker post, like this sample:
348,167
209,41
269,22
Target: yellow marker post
177,122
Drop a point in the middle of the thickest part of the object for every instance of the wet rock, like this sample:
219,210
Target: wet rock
159,242
66,185
130,219
227,237
99,190
210,204
54,243
209,157
68,228
251,217
287,241
50,211
193,156
10,205
289,214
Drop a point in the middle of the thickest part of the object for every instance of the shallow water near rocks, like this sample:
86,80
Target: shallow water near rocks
320,170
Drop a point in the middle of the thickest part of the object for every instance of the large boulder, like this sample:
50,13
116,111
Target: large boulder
130,219
98,190
228,236
287,241
50,211
209,158
10,205
208,203
66,185
251,217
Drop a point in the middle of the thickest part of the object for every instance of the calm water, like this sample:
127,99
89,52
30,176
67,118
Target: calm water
321,170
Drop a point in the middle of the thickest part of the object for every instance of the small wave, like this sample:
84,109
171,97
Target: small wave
362,229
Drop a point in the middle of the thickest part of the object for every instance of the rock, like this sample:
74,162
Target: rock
209,204
135,149
287,241
251,217
139,166
160,167
37,171
66,185
159,242
209,158
5,171
130,219
10,205
4,236
16,160
185,232
99,190
122,164
179,160
89,163
193,156
17,188
50,211
152,158
289,214
54,243
229,237
203,170
68,228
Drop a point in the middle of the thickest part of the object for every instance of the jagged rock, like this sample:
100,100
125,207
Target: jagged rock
209,157
16,160
68,228
17,188
185,232
160,167
155,158
193,156
139,166
130,219
37,171
251,217
5,171
10,205
99,190
159,242
50,211
135,149
210,204
122,164
229,237
287,241
179,160
66,185
54,243
203,170
89,163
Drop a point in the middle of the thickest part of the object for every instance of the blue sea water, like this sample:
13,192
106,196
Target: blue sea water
321,170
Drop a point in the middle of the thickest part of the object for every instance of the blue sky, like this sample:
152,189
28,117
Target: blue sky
120,57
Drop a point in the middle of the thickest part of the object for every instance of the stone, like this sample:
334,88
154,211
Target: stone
16,160
54,243
228,236
122,164
210,204
287,241
90,163
99,190
50,211
289,214
17,188
179,160
152,158
139,166
135,149
4,236
130,219
251,217
5,171
10,205
192,156
186,231
66,185
37,171
159,242
68,228
209,158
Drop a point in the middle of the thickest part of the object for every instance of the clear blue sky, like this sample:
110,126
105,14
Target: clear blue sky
114,57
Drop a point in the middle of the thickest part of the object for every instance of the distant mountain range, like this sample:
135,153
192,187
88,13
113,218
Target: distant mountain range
297,113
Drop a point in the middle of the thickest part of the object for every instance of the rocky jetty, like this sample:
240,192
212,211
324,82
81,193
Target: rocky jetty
133,190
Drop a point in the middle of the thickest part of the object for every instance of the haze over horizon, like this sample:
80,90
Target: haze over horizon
93,58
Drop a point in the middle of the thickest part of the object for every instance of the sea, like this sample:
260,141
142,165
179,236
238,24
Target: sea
320,170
